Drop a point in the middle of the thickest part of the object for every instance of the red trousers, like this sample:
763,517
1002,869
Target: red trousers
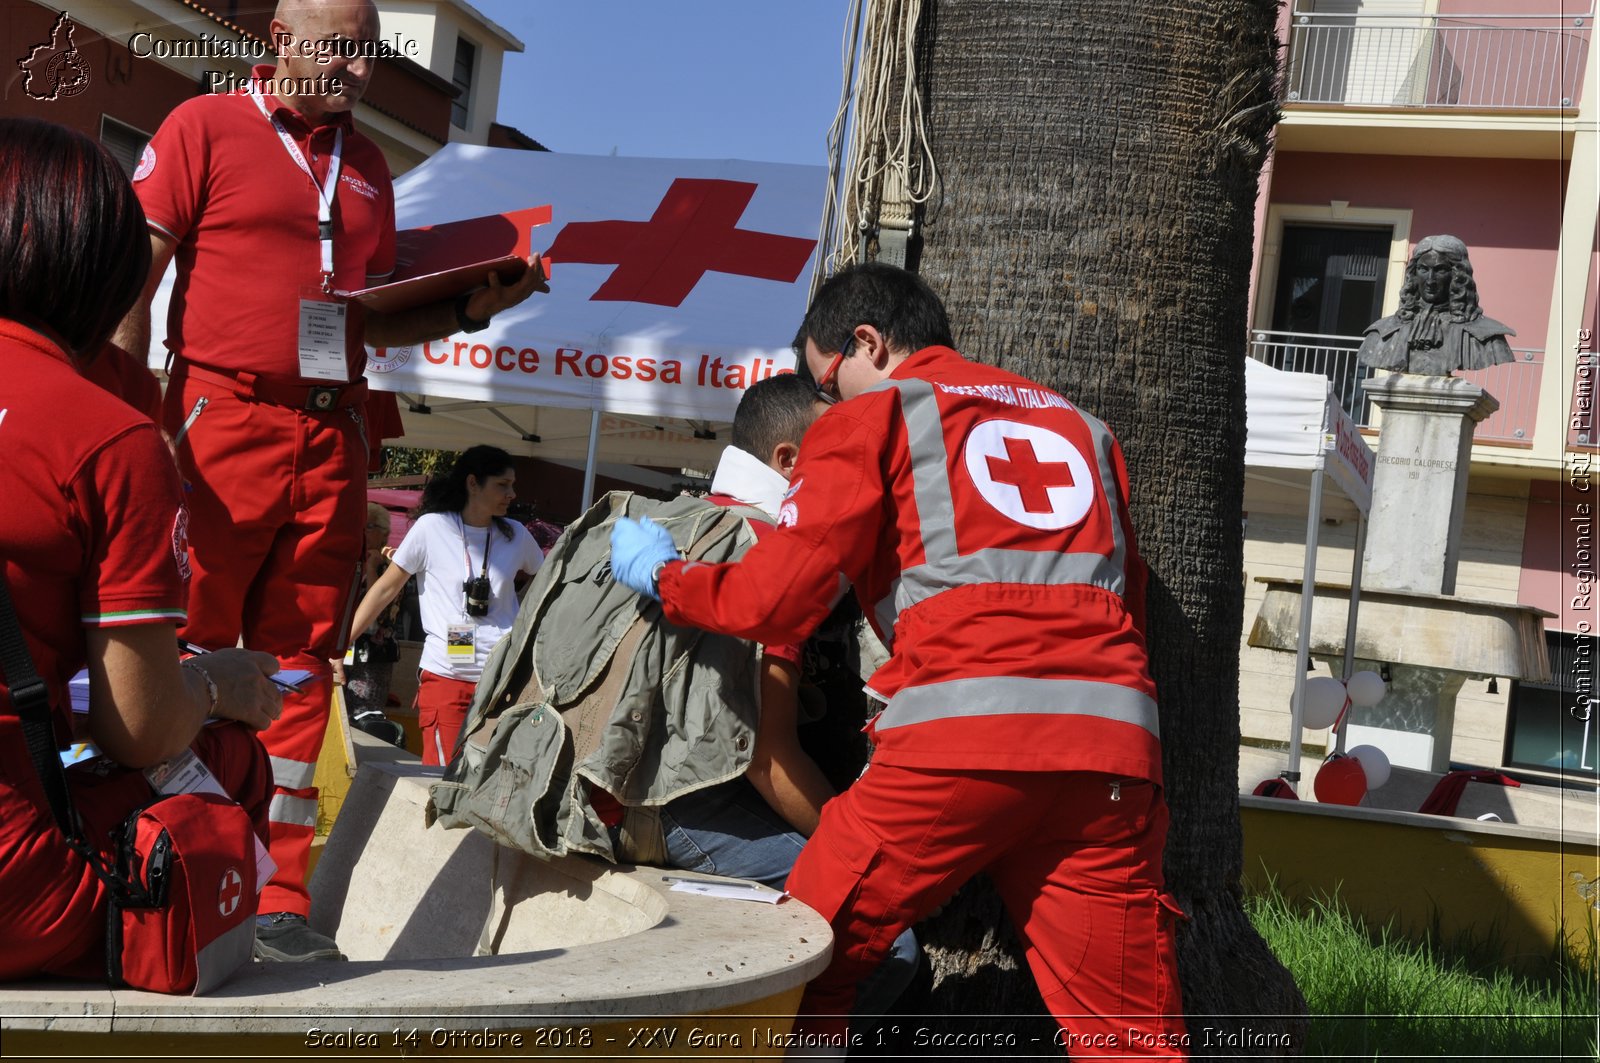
55,920
1076,862
442,705
277,505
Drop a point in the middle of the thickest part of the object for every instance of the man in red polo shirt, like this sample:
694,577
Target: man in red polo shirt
983,522
270,200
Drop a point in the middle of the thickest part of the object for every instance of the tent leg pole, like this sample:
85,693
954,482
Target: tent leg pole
1350,620
589,460
1302,650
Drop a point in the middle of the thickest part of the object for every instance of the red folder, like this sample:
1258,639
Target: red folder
438,262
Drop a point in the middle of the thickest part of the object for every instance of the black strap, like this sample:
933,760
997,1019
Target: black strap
31,698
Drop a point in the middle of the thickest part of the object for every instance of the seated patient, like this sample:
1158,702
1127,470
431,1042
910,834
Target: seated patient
753,827
92,549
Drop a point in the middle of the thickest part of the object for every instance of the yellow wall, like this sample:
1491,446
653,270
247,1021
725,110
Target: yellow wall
1517,894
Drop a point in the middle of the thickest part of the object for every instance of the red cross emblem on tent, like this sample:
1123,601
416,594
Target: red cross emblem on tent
694,231
1030,474
230,893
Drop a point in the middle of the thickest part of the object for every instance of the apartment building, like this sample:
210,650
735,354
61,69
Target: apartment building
1476,118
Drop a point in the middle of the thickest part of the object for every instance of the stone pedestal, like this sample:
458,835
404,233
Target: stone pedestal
1431,644
1419,489
1414,721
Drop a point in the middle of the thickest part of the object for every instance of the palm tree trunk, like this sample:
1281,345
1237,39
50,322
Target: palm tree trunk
1098,163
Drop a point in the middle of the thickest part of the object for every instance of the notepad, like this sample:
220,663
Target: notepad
734,891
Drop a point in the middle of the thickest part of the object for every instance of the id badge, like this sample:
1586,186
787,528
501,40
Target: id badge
187,774
460,640
183,774
322,337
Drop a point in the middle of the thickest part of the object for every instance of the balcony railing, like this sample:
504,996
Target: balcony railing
1514,384
1481,62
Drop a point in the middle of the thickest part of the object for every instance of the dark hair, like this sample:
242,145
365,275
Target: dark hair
802,368
896,302
447,492
774,411
74,250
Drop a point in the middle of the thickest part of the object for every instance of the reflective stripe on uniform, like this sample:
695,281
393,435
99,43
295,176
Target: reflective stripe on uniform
921,582
930,462
1007,695
293,811
292,774
1103,442
944,567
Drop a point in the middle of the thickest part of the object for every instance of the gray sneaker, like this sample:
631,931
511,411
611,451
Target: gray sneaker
284,937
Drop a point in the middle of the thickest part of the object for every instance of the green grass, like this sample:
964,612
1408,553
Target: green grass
1372,995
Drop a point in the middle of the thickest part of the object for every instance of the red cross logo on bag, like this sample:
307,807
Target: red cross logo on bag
230,893
1031,474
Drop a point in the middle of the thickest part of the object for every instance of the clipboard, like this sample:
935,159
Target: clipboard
438,262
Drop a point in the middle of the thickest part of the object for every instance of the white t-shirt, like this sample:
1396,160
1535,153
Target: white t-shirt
443,553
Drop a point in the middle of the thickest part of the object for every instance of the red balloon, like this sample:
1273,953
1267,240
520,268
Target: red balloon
1340,781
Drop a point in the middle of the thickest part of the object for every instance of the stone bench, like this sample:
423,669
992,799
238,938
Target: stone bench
585,955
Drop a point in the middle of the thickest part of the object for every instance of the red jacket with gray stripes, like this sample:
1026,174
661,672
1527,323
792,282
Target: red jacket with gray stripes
983,521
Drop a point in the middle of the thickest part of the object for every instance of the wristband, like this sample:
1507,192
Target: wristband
211,685
463,322
655,577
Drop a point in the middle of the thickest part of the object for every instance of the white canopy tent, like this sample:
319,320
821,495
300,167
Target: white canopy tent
677,283
1301,443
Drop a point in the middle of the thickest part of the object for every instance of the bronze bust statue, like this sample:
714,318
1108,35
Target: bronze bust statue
1439,326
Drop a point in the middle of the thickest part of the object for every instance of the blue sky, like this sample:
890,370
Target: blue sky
745,79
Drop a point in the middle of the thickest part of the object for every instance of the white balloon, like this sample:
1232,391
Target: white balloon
1324,701
1374,762
1366,688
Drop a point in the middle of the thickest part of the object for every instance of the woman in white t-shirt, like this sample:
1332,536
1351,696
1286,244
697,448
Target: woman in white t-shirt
466,556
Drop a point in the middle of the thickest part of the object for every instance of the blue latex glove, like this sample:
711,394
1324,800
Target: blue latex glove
637,547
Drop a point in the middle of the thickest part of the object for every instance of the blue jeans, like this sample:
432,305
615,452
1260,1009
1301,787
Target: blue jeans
730,830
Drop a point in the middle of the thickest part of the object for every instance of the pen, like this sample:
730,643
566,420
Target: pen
188,647
188,422
741,883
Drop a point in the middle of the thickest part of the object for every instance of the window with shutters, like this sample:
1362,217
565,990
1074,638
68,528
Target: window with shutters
465,68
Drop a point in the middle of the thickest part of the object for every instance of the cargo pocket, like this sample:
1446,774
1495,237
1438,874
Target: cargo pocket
515,793
427,715
829,874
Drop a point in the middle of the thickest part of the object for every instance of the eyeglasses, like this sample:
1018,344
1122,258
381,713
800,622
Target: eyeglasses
827,383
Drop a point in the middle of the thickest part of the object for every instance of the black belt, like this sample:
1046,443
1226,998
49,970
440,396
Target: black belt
253,388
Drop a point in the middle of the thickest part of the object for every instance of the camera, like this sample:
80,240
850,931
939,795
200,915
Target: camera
477,590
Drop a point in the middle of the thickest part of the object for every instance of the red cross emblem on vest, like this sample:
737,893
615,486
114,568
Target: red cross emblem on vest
230,893
694,231
1030,474
1032,478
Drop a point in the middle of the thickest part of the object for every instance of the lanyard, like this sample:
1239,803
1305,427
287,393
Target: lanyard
462,524
325,191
